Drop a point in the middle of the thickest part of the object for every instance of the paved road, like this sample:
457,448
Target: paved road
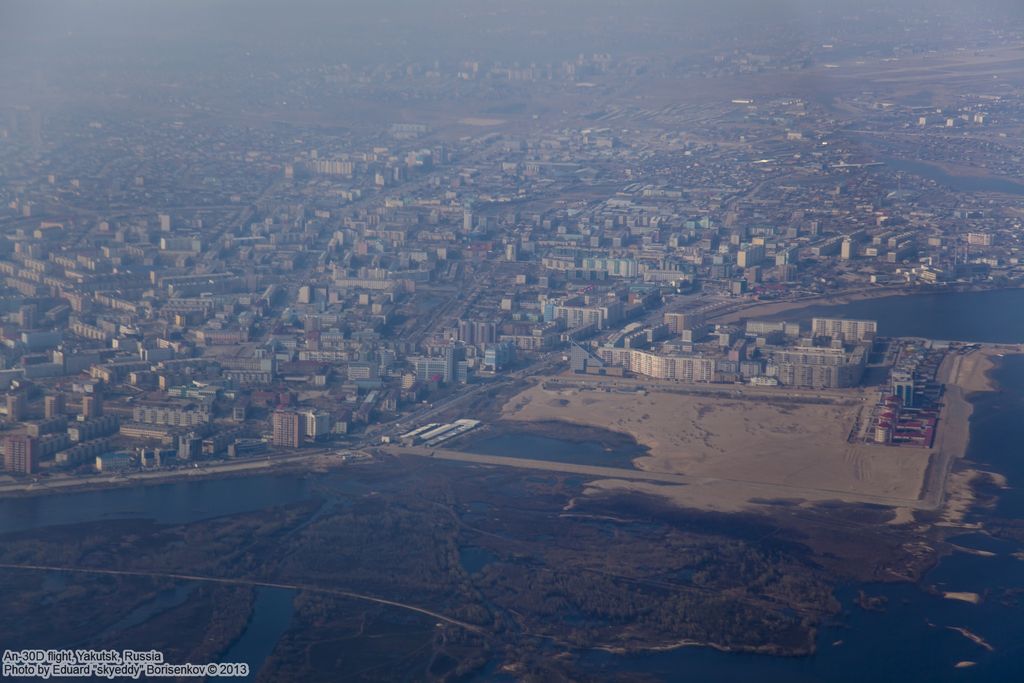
206,468
466,394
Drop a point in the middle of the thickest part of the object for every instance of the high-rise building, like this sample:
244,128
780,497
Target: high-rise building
846,250
19,453
845,330
15,406
477,332
486,332
749,255
287,429
580,311
583,360
497,356
27,316
760,328
689,368
53,406
317,424
903,388
677,322
429,368
449,368
453,354
817,367
92,407
466,331
189,446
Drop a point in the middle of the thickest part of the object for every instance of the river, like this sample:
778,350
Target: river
959,183
178,502
983,316
911,638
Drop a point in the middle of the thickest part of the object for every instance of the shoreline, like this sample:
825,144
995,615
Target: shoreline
773,308
969,375
562,430
699,434
304,462
942,488
770,309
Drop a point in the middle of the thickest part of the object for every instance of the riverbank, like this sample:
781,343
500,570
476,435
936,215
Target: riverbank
312,461
739,448
777,309
953,487
804,454
761,309
572,434
974,371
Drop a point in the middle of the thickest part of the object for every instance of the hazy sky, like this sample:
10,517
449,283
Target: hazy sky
46,35
419,26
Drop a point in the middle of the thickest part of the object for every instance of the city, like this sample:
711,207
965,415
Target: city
595,263
325,290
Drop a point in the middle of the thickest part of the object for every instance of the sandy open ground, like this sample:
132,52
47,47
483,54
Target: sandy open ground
962,375
740,451
970,372
742,447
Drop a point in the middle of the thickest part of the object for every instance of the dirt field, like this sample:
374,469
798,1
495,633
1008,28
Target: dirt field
741,451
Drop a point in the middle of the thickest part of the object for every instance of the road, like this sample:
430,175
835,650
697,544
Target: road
425,414
767,489
206,468
458,302
746,391
255,583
